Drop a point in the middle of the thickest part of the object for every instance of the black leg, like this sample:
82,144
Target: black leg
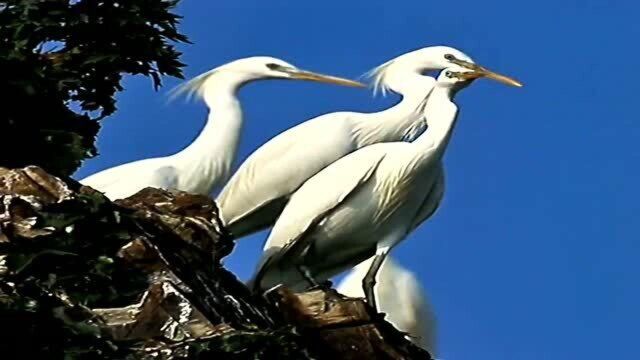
369,281
307,276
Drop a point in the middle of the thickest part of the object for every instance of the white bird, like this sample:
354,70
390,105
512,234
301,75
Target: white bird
367,202
258,191
401,297
205,164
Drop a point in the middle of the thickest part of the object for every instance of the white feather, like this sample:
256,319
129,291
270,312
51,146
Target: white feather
192,88
255,195
363,204
377,76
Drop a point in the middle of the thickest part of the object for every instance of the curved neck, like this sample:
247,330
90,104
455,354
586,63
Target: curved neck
407,81
208,159
394,123
441,114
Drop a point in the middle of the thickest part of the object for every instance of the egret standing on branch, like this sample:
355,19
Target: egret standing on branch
259,190
402,299
367,202
206,163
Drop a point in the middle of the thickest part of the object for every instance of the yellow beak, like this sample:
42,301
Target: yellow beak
480,71
311,76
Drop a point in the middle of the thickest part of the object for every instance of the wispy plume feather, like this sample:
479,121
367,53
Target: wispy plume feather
191,88
377,76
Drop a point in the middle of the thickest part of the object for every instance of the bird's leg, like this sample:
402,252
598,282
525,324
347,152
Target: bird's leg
307,276
369,281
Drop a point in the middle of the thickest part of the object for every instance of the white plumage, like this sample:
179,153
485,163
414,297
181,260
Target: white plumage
205,164
256,194
365,203
401,297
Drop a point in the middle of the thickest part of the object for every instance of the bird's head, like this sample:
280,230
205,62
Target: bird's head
464,72
241,71
457,77
399,73
437,57
265,67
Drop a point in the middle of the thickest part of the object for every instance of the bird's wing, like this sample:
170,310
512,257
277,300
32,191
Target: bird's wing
105,178
257,192
164,177
127,179
432,200
315,200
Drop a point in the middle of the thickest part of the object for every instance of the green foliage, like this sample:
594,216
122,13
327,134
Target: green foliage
61,63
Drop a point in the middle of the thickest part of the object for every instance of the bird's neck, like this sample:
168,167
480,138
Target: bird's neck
441,115
209,158
393,123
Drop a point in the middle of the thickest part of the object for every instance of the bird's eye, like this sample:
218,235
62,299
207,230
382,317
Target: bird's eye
273,66
448,74
449,57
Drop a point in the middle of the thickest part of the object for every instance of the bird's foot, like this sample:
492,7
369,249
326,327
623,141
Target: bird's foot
306,274
325,285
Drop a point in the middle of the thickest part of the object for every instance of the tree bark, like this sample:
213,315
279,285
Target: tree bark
82,277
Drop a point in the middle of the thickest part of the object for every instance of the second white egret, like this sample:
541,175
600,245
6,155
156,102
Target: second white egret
262,185
367,202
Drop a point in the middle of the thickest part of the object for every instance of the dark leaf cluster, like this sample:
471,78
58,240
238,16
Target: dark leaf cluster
61,65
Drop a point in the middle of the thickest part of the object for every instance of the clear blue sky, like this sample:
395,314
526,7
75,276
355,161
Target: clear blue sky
535,252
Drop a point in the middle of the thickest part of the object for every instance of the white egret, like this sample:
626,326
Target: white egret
367,202
205,164
401,297
258,191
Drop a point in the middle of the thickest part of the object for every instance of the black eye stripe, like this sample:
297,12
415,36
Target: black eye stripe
273,66
449,57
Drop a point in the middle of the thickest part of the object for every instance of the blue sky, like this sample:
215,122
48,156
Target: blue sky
534,252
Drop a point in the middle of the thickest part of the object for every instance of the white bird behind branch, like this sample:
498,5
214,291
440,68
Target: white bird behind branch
401,297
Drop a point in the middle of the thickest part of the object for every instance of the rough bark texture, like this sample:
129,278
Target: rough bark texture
82,277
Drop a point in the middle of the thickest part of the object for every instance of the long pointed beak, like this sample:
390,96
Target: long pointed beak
484,72
312,76
481,71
